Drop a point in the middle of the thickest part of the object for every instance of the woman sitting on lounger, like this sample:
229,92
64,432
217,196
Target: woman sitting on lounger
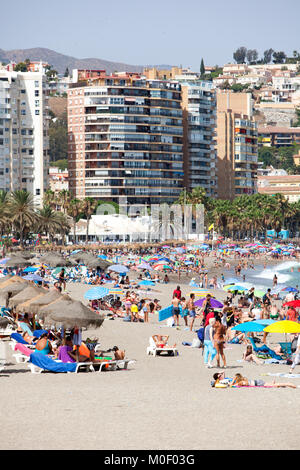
43,344
161,341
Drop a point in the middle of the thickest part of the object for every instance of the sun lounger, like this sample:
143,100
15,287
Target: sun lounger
22,354
152,349
115,365
40,362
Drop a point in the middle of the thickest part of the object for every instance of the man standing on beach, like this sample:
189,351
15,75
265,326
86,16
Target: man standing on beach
192,311
177,292
176,309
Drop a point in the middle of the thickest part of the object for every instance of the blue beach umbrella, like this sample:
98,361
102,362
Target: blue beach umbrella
249,327
146,283
265,321
118,268
97,292
33,277
30,269
289,289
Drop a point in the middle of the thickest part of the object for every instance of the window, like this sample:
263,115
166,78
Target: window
23,112
36,93
37,112
37,192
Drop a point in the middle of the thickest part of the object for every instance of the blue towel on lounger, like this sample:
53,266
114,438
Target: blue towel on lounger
45,362
19,338
38,333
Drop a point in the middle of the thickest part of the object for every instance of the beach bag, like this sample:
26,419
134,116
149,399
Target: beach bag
196,343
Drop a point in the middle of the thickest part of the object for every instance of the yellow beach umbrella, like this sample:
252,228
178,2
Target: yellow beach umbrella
200,293
284,326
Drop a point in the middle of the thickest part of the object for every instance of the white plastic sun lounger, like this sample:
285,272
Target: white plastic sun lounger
116,365
152,349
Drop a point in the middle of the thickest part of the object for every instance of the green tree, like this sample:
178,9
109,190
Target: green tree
89,206
202,68
22,212
240,55
58,138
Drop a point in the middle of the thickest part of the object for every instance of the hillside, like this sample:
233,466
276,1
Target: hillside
60,62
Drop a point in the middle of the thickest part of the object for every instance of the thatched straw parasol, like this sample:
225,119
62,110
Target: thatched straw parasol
9,280
37,303
82,257
17,261
42,310
23,254
24,307
71,313
54,260
29,293
12,289
98,263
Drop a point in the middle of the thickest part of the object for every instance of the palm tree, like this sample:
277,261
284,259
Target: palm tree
74,209
64,198
22,212
49,221
89,206
50,199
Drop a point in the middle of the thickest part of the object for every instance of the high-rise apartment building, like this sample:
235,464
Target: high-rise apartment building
24,132
199,121
236,145
125,138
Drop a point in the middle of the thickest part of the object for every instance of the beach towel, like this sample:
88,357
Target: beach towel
38,333
25,328
45,362
19,338
23,349
280,374
63,354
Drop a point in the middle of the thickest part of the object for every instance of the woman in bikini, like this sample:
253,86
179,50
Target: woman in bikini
241,381
219,341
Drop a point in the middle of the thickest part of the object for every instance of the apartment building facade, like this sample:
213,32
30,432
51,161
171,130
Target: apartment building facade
199,122
274,136
24,144
236,145
125,137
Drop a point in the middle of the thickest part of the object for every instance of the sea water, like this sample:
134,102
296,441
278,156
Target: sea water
262,278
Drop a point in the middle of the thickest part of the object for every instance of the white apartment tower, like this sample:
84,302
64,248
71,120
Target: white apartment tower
24,159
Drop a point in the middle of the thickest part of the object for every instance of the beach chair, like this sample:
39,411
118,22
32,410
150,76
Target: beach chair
120,364
40,362
286,348
152,349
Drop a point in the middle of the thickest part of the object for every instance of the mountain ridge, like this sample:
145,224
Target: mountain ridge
60,62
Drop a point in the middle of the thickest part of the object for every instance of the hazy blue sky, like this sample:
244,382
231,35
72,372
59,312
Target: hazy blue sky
153,31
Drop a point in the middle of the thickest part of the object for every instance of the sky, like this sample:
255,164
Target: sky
140,32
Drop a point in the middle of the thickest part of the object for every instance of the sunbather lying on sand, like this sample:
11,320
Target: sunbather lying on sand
241,381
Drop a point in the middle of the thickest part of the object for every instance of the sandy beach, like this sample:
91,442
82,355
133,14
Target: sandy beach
158,403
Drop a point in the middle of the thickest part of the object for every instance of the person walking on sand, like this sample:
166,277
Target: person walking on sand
192,311
209,349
